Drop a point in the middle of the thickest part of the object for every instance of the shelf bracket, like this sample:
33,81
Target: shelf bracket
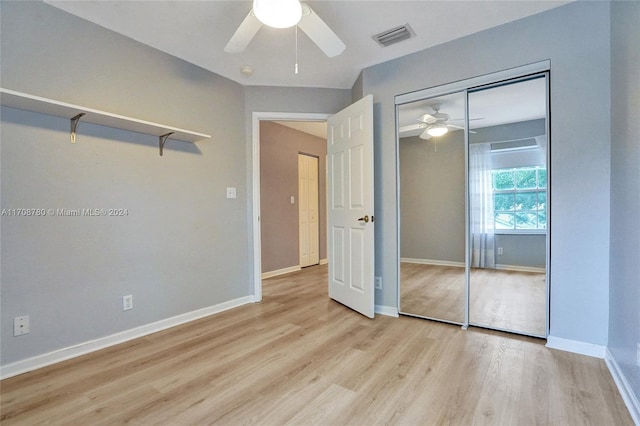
162,140
74,126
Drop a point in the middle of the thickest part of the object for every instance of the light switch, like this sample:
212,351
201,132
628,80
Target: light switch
293,200
231,192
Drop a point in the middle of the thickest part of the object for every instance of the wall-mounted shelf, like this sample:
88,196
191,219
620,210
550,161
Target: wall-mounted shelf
76,113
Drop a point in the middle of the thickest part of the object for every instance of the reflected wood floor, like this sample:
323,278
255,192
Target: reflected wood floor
432,291
300,358
510,300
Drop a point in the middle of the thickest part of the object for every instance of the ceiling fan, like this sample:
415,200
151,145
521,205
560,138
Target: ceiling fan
434,124
285,14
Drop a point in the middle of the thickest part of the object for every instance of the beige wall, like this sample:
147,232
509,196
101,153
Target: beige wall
279,149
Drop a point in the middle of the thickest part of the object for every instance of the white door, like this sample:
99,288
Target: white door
309,228
350,209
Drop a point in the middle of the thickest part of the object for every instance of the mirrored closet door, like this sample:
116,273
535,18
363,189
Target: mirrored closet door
508,206
473,203
432,207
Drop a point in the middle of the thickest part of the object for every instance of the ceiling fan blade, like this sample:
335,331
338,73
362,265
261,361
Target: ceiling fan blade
244,34
459,128
411,127
425,135
428,118
320,33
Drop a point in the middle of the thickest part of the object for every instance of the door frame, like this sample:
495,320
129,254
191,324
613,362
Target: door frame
256,118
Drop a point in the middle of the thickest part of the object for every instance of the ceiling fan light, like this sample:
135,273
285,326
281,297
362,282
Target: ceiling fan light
278,13
438,131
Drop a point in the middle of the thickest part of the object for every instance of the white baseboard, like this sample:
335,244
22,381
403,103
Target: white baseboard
461,265
390,311
64,354
432,262
520,268
324,261
598,351
282,271
629,398
575,346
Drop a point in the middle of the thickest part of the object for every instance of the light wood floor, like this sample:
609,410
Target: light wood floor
509,300
300,358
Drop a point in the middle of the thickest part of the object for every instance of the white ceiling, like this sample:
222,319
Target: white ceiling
197,31
509,103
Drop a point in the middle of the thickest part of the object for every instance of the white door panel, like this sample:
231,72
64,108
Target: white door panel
314,201
351,239
308,201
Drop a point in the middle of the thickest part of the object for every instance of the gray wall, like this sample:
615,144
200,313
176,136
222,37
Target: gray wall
624,320
432,198
183,244
357,89
295,99
521,250
510,131
575,38
279,149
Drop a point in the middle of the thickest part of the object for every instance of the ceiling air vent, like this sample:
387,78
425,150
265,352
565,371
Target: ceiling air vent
394,35
514,145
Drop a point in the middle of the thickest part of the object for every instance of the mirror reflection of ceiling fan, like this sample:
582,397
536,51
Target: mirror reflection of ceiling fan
285,14
434,124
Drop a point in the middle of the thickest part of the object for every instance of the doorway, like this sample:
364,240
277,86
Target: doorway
257,207
308,210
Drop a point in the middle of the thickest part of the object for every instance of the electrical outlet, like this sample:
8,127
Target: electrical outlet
638,355
127,302
21,325
231,192
500,251
378,283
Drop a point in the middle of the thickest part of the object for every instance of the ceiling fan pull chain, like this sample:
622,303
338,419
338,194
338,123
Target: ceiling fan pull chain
296,66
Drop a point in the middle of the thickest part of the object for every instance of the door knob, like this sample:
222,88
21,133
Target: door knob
365,219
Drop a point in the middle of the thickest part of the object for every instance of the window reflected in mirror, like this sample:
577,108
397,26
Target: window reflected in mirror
508,207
